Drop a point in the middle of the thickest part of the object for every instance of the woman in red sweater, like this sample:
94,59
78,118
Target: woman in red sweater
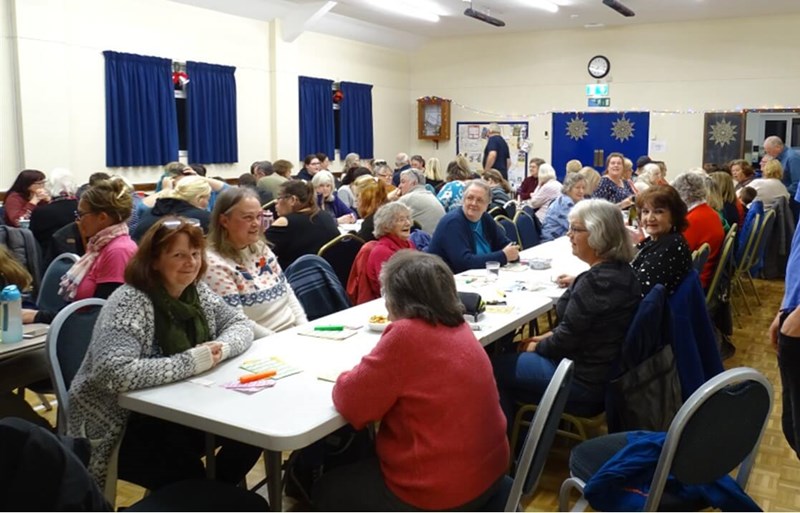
24,196
392,230
442,442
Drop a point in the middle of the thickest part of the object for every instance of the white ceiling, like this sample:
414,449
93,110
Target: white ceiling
360,20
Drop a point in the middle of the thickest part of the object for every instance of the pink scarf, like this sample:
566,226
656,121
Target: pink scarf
68,286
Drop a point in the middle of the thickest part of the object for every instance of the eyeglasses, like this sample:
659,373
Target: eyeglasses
285,196
79,214
576,229
379,163
175,223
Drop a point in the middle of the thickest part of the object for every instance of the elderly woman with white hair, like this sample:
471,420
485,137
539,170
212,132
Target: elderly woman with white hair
328,201
594,315
392,231
546,192
556,222
48,218
648,177
704,223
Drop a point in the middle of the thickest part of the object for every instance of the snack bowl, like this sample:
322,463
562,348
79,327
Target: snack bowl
539,263
378,323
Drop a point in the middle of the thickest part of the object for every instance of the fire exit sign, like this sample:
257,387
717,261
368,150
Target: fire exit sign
596,89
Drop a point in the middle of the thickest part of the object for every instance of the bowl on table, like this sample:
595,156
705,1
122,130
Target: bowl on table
539,264
378,323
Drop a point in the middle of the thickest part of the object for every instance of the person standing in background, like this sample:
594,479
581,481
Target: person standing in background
790,160
496,155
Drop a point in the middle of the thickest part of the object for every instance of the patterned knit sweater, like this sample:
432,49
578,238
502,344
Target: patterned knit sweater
255,284
123,355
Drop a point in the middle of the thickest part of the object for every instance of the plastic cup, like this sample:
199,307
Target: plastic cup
492,270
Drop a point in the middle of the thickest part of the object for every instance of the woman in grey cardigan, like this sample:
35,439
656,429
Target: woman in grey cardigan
162,326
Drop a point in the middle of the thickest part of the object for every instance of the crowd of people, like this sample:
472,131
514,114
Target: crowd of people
192,274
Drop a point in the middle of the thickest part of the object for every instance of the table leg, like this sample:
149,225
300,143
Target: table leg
211,456
274,483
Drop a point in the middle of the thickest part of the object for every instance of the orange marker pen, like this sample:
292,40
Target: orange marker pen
255,377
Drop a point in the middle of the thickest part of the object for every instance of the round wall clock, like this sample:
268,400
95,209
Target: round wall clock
599,66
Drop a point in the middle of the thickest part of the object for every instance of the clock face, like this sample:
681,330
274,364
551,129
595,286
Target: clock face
599,66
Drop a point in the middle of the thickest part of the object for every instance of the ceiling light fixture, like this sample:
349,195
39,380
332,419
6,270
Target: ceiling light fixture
619,7
414,10
545,5
484,17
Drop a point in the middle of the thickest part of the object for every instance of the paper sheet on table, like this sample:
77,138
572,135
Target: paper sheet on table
500,309
330,335
281,368
250,388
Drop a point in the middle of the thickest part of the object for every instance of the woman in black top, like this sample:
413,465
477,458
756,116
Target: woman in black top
48,218
664,256
300,229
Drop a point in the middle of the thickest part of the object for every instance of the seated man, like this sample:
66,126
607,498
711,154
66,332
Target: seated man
425,208
468,237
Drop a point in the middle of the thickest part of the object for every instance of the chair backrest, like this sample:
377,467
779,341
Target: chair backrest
747,243
66,344
700,257
541,434
509,227
511,208
341,253
717,429
23,245
529,236
497,211
528,209
724,261
49,299
758,246
316,286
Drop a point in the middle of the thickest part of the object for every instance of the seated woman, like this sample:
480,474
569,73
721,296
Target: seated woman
452,192
371,193
392,229
300,229
188,198
556,222
704,223
160,327
592,180
442,442
614,186
244,270
48,218
531,182
664,256
649,176
743,173
328,201
770,188
102,216
347,192
500,188
732,208
594,315
25,194
546,192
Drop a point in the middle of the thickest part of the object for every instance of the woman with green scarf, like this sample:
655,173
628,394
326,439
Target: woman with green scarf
162,326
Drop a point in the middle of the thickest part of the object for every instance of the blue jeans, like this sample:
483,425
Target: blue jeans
524,377
789,365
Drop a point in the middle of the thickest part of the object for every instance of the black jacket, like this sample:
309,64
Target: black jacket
173,207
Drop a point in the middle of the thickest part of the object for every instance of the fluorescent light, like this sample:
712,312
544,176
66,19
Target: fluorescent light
416,9
545,5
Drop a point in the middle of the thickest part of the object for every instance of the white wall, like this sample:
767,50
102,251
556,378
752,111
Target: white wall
10,144
703,66
333,58
62,83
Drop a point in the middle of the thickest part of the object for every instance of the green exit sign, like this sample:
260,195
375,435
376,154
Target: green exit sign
599,102
597,90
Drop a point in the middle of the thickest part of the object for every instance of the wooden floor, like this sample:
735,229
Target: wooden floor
775,481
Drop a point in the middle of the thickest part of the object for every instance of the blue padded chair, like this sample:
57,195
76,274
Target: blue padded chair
540,438
317,287
528,209
49,299
511,208
529,236
66,345
509,227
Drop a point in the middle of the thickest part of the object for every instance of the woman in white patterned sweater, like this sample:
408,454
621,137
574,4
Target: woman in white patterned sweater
244,270
160,327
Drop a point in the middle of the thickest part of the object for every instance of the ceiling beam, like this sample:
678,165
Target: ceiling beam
303,18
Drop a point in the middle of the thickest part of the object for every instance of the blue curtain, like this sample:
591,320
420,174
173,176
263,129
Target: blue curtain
211,112
576,135
316,116
141,124
356,119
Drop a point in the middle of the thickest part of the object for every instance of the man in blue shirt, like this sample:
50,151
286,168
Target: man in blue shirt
790,160
496,154
468,237
785,336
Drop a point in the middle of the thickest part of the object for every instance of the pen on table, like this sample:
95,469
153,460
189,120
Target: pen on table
328,328
255,377
501,293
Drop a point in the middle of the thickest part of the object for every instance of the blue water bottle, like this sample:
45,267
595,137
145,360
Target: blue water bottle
11,304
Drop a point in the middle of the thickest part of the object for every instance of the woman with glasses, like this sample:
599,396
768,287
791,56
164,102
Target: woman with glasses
102,216
243,270
594,315
393,232
384,173
301,228
164,325
189,198
26,193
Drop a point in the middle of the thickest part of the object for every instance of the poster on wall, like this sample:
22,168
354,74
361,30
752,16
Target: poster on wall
471,140
723,137
588,136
